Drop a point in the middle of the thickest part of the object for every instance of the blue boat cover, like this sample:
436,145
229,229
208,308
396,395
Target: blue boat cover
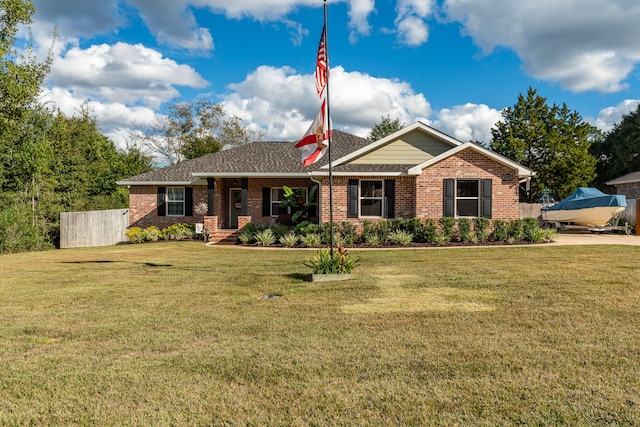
587,197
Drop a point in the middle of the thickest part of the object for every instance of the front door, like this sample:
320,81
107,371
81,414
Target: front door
235,205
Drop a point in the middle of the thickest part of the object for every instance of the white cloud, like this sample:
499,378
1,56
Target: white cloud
610,116
122,73
115,118
410,22
284,103
468,122
584,45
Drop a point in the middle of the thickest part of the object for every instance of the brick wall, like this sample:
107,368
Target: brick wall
468,164
416,196
143,205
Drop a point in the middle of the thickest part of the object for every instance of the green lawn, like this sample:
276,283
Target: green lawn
180,334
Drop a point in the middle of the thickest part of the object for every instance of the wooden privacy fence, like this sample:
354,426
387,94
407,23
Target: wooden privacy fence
93,228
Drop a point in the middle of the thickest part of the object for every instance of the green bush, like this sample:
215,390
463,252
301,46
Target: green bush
246,237
179,231
481,228
464,229
400,237
371,239
290,239
323,262
265,237
430,231
17,232
311,240
446,225
136,235
153,234
279,229
500,230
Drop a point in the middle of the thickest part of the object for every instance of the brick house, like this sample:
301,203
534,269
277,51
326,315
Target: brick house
416,172
627,185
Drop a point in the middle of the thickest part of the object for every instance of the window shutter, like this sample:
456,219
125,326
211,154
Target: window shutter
390,196
162,201
211,185
352,198
449,197
313,207
486,198
266,201
188,201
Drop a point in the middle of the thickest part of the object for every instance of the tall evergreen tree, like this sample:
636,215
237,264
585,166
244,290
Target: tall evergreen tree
618,152
552,141
386,126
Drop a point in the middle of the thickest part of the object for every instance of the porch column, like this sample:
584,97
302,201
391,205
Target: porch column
244,196
210,190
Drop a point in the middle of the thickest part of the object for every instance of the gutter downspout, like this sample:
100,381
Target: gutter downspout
319,198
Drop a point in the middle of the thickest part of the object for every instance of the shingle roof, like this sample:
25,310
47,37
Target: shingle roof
629,178
257,158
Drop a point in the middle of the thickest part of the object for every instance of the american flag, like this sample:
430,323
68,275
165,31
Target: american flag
322,63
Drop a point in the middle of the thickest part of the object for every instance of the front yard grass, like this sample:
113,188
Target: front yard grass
181,334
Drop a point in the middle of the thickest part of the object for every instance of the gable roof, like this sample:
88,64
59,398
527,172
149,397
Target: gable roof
282,159
630,178
521,170
257,159
419,126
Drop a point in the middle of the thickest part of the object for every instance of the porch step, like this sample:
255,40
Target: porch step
224,236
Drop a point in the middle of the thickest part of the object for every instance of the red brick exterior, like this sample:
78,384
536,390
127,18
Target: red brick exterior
415,196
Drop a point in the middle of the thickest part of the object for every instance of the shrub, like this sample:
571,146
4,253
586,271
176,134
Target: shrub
481,226
311,240
430,231
279,230
500,230
515,230
290,239
246,237
135,235
464,229
441,238
265,237
340,262
535,235
400,237
180,231
372,239
447,223
153,234
348,232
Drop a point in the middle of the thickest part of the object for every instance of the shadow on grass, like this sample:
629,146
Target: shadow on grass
148,264
299,276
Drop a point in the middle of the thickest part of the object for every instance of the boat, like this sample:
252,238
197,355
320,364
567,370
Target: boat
587,207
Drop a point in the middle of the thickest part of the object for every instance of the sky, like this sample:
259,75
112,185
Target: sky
452,64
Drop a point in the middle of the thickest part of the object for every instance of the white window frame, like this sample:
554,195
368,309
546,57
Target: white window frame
275,203
361,198
176,201
476,198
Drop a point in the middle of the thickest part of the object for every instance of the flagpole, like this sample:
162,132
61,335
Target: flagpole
326,46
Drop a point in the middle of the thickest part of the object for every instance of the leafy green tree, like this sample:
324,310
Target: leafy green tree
552,141
385,127
618,151
193,129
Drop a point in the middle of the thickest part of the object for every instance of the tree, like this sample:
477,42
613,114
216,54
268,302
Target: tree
193,129
385,127
552,141
618,151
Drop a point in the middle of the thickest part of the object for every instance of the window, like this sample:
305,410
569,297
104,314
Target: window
277,194
371,198
175,201
467,197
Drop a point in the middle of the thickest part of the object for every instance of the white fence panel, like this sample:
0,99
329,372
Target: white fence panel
93,228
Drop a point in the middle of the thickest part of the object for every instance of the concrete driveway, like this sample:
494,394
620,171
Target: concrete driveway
595,239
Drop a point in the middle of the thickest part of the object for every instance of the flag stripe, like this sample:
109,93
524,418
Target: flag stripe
315,141
322,63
